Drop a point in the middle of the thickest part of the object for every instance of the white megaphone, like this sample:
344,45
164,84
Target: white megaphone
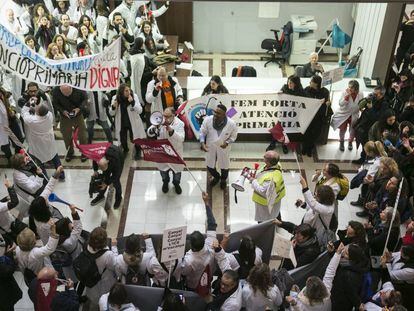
239,183
157,118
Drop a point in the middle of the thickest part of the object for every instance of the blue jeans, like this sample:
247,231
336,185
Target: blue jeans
105,127
165,175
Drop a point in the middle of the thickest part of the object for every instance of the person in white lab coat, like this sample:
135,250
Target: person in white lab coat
126,108
173,130
38,121
217,133
347,114
17,27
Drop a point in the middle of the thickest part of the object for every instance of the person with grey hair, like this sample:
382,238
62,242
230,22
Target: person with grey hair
268,187
38,121
313,67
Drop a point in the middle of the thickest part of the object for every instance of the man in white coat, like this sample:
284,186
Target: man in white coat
14,24
69,32
217,133
38,121
173,130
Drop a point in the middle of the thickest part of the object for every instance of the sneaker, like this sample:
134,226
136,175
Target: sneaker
341,146
214,181
165,187
285,149
178,189
83,158
364,213
98,199
272,146
350,147
117,203
358,162
223,184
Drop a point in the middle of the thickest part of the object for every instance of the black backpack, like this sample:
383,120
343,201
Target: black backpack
86,269
244,268
134,277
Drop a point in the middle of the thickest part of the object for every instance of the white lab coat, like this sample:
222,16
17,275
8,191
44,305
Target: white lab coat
38,257
255,301
5,217
72,246
347,108
40,135
160,276
194,263
72,35
176,140
93,113
155,13
18,28
156,101
104,306
30,184
128,12
4,121
137,69
93,41
213,142
133,114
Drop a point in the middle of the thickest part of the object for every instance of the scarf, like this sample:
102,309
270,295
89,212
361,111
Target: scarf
307,242
220,298
219,125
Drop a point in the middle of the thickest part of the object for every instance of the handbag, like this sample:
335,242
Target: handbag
327,235
16,227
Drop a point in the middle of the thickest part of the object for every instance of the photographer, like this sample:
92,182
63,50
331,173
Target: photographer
34,96
71,104
111,166
40,135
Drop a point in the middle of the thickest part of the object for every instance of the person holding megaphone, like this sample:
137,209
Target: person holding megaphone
171,128
268,187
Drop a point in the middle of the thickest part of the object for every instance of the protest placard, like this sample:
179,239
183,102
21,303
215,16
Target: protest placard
173,243
283,247
332,76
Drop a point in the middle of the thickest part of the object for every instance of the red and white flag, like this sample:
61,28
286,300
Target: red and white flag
278,133
159,151
94,151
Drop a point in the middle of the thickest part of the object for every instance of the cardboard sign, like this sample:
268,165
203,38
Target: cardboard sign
282,247
173,243
332,76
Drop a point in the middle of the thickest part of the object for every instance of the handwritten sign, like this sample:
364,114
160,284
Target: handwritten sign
173,243
332,76
98,72
282,247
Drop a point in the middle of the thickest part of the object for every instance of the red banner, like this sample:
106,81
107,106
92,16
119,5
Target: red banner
159,151
94,152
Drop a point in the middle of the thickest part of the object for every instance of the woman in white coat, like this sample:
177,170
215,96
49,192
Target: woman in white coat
126,108
347,114
217,133
173,130
319,209
259,292
137,59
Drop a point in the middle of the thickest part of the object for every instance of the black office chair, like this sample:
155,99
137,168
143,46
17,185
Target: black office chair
273,48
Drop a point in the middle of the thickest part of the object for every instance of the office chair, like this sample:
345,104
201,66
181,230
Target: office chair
273,47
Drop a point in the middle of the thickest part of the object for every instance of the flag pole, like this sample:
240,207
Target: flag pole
201,189
297,161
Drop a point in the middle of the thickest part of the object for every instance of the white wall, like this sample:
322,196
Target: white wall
234,27
368,26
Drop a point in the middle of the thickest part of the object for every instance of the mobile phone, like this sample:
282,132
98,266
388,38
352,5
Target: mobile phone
181,297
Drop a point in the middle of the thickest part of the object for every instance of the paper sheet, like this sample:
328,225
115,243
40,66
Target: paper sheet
282,247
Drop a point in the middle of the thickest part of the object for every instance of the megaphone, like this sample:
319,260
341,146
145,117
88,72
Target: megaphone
54,198
239,183
157,118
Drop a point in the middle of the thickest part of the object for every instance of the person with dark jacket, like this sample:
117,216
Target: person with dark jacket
315,90
292,87
347,283
374,106
408,113
306,246
313,67
386,129
353,234
215,86
10,293
111,165
70,102
407,38
403,89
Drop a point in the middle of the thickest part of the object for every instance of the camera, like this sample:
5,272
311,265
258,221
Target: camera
72,114
94,184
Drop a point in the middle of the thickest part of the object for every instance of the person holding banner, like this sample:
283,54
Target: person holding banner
268,187
217,133
173,130
71,104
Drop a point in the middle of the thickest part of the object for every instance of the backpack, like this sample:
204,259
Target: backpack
134,277
60,258
86,269
244,268
344,187
203,286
